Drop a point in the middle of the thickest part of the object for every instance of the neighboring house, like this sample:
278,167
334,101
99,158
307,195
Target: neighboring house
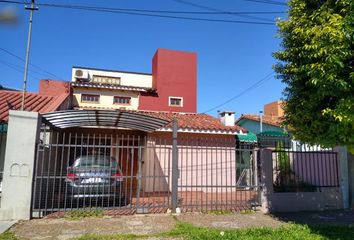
52,96
273,130
270,121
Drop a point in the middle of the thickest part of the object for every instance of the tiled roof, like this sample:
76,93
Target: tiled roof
11,100
271,120
192,122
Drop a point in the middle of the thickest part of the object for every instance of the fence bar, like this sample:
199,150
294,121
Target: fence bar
175,174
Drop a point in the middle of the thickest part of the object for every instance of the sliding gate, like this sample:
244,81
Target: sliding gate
117,172
216,176
126,172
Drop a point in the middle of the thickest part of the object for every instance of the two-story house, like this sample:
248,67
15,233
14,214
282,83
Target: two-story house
172,86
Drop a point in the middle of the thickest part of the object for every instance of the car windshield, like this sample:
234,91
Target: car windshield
95,161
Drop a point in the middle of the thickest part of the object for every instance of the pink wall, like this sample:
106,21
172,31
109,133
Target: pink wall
201,163
174,74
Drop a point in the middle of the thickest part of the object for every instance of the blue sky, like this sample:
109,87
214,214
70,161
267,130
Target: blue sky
231,57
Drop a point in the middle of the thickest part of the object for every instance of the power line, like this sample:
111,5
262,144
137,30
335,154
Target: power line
154,15
20,67
216,10
256,84
17,68
213,12
33,65
268,2
110,10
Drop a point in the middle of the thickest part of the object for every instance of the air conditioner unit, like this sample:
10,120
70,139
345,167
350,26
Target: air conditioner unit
81,74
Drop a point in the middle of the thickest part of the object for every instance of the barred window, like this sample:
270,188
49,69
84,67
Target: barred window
122,100
90,98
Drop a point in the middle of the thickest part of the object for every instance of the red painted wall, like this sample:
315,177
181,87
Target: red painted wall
174,74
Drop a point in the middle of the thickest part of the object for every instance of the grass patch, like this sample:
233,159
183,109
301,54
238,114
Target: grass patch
8,236
247,212
218,212
84,213
293,232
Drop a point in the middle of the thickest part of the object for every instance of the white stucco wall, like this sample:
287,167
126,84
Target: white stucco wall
127,79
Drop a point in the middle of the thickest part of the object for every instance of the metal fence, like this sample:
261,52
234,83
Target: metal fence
214,175
124,172
304,171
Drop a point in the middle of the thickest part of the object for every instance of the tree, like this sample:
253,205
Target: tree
316,62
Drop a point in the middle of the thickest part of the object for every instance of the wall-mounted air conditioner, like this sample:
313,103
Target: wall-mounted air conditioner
81,74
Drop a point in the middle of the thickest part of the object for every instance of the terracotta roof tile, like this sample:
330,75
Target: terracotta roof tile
11,100
271,120
191,121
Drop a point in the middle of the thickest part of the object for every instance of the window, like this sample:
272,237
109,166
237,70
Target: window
106,80
122,100
90,98
175,101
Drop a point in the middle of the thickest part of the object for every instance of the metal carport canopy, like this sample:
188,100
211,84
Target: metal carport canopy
103,118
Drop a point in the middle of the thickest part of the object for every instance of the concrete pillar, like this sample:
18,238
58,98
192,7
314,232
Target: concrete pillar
266,173
22,136
344,174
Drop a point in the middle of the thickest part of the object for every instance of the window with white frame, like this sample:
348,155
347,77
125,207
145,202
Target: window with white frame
90,98
122,100
175,102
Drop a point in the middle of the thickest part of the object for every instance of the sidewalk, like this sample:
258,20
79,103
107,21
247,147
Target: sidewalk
5,225
62,228
135,224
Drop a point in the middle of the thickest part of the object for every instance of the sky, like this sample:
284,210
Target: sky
232,57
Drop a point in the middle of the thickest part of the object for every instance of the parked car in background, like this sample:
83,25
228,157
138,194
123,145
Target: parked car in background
95,178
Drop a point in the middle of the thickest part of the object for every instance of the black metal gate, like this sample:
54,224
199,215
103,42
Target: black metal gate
110,170
126,172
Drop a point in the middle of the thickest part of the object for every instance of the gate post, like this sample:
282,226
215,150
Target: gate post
175,171
22,137
266,172
344,174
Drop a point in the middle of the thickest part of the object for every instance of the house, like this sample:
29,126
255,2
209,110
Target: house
133,118
172,86
169,92
266,128
270,120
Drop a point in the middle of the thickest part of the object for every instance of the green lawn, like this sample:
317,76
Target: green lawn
188,231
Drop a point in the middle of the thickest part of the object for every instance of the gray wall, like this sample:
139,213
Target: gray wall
21,143
326,199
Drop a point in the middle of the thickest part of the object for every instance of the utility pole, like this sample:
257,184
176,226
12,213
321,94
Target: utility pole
31,8
261,121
